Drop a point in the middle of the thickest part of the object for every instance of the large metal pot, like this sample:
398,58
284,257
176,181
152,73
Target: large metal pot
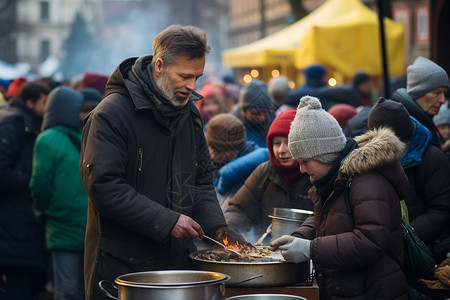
183,285
287,220
257,274
266,297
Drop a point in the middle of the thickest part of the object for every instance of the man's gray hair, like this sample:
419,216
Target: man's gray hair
178,40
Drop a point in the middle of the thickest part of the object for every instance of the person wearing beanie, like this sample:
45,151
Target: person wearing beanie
94,80
225,136
256,110
442,123
274,183
342,113
314,76
212,103
22,247
427,169
426,86
278,88
91,98
363,86
356,227
15,86
227,144
58,193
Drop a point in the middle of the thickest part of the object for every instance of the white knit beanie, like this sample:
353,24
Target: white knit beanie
314,133
424,76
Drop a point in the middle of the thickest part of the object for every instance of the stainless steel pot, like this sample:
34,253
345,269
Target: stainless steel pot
266,297
184,285
287,220
256,274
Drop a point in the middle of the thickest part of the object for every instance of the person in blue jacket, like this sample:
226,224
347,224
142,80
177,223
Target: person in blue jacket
256,110
234,157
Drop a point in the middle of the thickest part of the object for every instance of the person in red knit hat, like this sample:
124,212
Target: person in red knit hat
342,113
274,183
15,86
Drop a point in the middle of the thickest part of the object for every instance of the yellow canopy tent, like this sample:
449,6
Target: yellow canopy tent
282,47
279,48
351,42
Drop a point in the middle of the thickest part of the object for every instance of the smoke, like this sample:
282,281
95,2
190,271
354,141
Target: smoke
129,32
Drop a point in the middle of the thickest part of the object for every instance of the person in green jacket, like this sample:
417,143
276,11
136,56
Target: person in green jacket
58,192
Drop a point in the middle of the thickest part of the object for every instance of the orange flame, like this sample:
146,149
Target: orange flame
230,246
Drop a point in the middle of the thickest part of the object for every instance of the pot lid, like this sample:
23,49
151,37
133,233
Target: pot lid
291,213
171,278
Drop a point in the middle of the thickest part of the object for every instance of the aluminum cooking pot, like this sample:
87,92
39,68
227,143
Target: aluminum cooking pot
256,274
266,297
183,285
287,220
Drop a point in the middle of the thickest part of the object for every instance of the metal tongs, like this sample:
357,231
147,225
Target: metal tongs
219,243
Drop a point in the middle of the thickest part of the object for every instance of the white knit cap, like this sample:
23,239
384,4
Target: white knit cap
314,133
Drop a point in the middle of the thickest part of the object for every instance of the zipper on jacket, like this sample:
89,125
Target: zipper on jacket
140,159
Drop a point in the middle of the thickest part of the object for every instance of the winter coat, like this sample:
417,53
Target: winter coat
232,176
143,163
428,200
353,241
417,112
21,236
263,190
56,186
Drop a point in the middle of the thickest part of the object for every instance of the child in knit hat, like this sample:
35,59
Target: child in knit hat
356,227
227,144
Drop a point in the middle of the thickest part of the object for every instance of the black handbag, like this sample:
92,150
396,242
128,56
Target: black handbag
419,260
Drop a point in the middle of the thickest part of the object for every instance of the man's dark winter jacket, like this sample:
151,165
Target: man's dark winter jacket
143,162
21,238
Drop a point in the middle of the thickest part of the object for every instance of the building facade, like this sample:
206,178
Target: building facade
34,30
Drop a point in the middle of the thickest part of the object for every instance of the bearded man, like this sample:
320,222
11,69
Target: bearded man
146,166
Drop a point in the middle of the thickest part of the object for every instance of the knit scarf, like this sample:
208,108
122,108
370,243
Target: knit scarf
289,173
417,145
325,184
171,115
280,127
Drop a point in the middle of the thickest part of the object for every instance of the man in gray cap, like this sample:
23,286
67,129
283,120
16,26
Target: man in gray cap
426,85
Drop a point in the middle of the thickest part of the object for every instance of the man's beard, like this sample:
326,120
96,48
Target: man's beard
164,84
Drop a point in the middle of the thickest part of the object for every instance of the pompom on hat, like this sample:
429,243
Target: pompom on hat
314,133
424,76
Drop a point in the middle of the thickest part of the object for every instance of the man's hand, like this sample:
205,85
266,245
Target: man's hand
231,236
187,228
293,249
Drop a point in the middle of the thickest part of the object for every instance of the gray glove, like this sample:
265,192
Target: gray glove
285,239
297,251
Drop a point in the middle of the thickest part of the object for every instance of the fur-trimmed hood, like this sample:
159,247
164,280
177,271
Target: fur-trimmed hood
378,148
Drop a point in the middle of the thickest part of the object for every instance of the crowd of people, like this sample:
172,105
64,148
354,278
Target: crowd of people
105,175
